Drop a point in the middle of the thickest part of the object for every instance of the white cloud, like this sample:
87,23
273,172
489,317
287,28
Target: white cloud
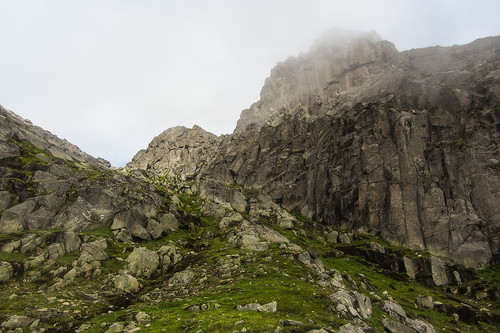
110,75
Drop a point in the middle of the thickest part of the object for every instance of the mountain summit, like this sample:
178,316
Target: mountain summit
355,134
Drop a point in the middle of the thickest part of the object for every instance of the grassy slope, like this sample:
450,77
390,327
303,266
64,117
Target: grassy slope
262,277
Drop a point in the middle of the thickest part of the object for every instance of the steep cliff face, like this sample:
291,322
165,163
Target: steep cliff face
358,135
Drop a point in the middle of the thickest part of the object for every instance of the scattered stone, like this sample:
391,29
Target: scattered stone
143,318
126,283
290,322
17,322
269,307
169,222
393,326
181,277
394,310
345,238
377,247
439,271
425,301
333,237
285,223
350,328
142,262
6,271
155,229
12,219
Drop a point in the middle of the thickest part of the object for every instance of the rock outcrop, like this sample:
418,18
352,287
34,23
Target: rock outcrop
357,135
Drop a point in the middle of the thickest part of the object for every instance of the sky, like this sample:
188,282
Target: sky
110,75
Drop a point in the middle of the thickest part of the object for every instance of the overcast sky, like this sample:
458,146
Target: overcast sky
109,75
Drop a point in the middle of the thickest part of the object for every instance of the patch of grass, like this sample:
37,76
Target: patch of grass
12,257
101,232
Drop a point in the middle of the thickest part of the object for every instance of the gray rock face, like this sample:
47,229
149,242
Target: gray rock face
358,135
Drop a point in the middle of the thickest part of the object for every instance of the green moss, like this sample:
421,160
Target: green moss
12,257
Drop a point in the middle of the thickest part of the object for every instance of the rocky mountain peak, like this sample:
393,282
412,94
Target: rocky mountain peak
312,83
358,135
177,151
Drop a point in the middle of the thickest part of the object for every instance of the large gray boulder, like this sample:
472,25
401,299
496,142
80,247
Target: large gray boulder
126,283
169,222
142,262
13,219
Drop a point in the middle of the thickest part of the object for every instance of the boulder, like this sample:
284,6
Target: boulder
425,301
238,202
154,229
350,328
420,326
126,283
230,220
142,262
143,318
12,219
6,200
6,271
93,251
394,310
181,277
17,322
285,223
169,222
439,271
351,304
393,326
169,256
69,239
269,307
333,237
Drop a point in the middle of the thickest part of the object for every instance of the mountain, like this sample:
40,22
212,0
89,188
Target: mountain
358,195
355,134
